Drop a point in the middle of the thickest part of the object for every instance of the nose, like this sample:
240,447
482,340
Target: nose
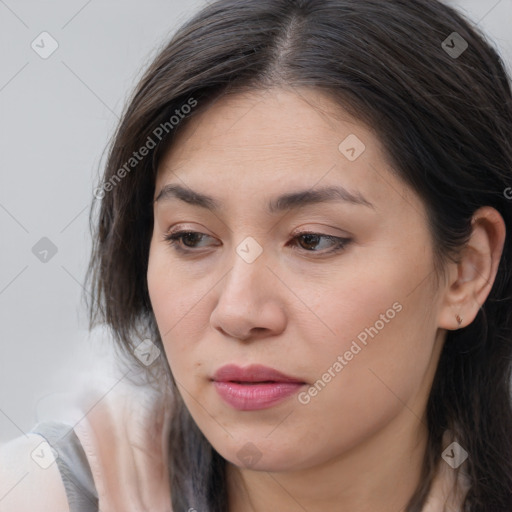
250,303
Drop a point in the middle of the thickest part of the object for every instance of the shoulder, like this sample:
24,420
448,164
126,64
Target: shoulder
124,434
29,477
120,438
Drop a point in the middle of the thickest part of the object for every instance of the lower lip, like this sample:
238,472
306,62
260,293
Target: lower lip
252,397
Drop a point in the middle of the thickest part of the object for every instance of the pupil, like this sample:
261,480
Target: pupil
190,237
310,241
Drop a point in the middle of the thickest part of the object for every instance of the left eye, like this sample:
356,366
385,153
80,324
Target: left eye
310,241
187,241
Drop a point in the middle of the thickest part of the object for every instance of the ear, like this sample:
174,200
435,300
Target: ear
471,278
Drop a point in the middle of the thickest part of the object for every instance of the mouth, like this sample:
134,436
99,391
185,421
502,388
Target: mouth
254,387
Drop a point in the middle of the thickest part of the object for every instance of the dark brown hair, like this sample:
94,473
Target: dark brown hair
445,121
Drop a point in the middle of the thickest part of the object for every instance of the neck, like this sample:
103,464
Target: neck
381,473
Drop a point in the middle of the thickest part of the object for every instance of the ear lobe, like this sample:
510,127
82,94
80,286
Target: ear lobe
474,274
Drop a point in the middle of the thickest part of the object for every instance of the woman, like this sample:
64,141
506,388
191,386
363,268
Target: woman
302,241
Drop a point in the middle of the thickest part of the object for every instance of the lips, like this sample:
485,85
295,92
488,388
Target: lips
252,374
254,387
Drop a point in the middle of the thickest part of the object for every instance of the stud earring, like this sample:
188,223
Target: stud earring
459,320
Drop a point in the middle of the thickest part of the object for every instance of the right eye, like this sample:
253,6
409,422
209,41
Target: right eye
185,241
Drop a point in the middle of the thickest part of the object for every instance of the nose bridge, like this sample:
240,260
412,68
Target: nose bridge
250,291
248,305
248,274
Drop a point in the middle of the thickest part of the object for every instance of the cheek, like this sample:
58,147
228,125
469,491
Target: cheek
358,302
362,378
179,307
171,292
379,318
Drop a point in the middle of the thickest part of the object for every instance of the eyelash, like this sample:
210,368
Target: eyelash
174,239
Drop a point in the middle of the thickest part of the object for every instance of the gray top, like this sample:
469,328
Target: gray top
73,465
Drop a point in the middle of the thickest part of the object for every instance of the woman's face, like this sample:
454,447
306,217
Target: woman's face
348,310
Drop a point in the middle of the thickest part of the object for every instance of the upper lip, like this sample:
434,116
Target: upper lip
252,373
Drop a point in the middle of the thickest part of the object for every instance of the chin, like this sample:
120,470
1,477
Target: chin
263,456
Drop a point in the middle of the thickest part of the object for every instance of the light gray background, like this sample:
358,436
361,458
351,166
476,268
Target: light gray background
56,117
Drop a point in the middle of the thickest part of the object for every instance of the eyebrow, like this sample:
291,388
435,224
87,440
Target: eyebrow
285,202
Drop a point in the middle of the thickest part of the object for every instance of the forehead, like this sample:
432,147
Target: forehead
259,142
263,123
